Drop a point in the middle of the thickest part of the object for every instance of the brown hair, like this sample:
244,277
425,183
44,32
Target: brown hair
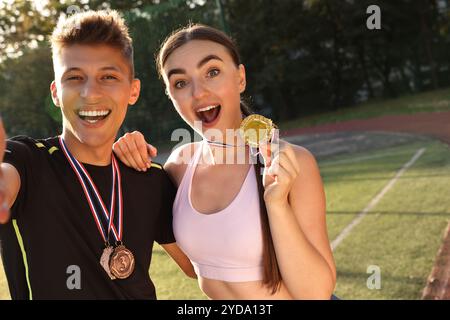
272,275
94,28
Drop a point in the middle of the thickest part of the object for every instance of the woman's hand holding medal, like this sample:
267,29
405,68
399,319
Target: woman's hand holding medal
281,165
280,171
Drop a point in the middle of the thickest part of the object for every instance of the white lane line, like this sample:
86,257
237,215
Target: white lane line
344,233
352,160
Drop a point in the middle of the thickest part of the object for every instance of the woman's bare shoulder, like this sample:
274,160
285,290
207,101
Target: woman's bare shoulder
303,155
309,168
178,160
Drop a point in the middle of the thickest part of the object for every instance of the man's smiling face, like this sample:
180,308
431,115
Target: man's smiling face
93,88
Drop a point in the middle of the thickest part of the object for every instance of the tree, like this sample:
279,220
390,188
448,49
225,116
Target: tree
25,83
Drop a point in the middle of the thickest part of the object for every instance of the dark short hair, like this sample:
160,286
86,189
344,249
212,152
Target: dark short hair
103,27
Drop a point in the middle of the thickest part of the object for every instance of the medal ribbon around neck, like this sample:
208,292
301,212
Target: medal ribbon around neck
91,193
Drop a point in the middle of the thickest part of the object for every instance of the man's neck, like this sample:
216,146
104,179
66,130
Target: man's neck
95,155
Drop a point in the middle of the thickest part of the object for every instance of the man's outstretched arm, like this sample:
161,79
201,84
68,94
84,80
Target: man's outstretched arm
9,180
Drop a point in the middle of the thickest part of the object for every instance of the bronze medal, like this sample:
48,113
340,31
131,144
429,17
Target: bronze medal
104,261
121,263
256,129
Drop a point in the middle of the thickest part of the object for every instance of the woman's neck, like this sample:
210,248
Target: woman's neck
216,154
227,148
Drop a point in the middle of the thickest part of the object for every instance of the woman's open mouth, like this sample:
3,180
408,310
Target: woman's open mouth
209,114
93,116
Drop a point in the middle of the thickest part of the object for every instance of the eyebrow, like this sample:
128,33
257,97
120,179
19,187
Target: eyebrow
106,68
199,65
71,69
208,58
111,68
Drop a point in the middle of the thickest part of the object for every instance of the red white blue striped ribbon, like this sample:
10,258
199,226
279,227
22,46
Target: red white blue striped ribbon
91,191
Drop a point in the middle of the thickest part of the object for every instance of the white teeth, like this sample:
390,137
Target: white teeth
92,121
99,113
207,108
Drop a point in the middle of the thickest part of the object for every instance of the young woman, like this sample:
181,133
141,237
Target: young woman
247,235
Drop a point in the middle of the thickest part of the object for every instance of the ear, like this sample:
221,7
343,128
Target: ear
135,91
242,79
54,92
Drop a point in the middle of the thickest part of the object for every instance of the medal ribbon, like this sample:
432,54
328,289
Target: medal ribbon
91,193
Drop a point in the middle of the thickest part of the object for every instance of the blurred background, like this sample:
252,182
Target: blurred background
302,57
372,105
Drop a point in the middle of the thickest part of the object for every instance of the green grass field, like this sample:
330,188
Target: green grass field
401,235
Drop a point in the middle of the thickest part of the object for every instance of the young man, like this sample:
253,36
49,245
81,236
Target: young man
81,225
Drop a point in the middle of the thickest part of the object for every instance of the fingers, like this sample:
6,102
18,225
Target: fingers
278,174
4,215
152,151
4,211
119,153
139,151
266,153
121,150
289,152
285,165
2,141
269,150
134,151
267,178
282,180
281,168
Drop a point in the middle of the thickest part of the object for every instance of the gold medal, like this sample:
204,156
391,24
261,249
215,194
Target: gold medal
104,261
256,129
121,263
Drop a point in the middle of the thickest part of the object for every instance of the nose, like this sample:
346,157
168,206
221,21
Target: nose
91,90
199,90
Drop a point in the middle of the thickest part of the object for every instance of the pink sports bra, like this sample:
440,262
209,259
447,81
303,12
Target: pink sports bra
226,245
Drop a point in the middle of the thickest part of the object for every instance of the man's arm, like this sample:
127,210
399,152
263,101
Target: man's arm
9,181
180,258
